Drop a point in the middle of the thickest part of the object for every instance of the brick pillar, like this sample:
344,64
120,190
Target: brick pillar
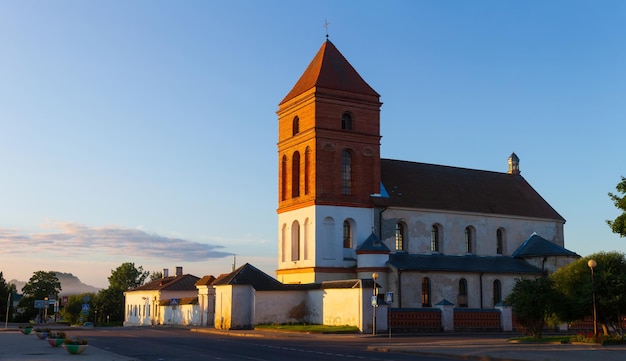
506,317
447,315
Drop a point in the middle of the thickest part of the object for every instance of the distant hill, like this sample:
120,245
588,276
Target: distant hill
70,285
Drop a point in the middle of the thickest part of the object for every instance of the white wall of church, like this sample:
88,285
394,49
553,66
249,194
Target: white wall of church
272,307
321,235
418,225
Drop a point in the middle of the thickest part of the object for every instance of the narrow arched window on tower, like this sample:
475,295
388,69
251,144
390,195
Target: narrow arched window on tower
426,292
295,241
347,234
283,178
296,126
295,175
346,121
399,237
499,242
307,170
346,173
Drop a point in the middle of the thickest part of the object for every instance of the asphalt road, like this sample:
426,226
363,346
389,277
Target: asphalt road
171,344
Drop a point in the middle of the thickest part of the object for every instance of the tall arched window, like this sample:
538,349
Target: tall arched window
497,292
434,239
463,293
307,169
399,237
469,239
296,126
283,243
295,175
347,234
346,173
283,178
346,121
295,241
426,292
499,242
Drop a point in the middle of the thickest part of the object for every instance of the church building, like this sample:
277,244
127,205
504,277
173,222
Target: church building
426,233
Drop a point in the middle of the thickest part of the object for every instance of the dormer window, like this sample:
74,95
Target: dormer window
346,121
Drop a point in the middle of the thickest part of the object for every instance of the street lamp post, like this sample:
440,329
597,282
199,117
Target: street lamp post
45,314
592,264
374,302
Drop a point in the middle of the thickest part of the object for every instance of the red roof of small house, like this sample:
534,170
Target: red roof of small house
173,283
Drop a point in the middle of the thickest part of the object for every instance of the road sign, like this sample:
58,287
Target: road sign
85,309
389,297
173,301
40,303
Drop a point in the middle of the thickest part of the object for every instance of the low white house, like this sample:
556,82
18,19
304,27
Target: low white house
171,300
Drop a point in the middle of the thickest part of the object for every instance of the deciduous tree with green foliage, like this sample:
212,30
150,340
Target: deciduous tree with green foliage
109,303
574,282
41,285
618,225
5,290
534,302
72,312
127,276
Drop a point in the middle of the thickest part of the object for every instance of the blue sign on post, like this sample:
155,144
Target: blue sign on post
85,309
173,301
389,297
40,303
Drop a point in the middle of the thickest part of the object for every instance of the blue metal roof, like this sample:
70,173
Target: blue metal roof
465,263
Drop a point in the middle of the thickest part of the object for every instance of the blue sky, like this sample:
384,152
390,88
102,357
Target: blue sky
132,129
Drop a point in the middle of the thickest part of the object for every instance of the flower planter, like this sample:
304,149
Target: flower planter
56,342
26,330
75,349
41,335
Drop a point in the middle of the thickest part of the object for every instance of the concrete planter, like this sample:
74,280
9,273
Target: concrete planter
75,349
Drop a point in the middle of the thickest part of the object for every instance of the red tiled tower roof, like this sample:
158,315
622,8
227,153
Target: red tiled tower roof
329,69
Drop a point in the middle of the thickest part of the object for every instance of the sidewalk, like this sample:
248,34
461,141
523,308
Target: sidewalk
16,346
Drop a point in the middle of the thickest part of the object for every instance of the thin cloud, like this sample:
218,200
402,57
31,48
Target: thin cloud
70,237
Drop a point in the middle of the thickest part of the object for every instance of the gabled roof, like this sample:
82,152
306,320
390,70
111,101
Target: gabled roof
329,69
466,263
537,246
438,187
173,283
249,275
372,244
205,281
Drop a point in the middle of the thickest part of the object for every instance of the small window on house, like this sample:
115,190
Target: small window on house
426,292
497,292
469,239
346,173
434,239
400,237
296,126
499,242
347,234
462,293
346,121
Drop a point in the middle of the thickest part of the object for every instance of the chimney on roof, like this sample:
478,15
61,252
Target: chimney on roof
179,271
514,164
166,272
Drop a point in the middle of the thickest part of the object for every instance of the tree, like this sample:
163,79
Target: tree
109,304
534,302
127,276
73,310
609,284
618,225
41,285
156,275
5,290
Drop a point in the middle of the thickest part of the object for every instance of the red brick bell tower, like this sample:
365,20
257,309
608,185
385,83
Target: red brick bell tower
328,165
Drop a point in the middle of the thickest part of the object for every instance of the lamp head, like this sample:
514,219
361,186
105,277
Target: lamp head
592,264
